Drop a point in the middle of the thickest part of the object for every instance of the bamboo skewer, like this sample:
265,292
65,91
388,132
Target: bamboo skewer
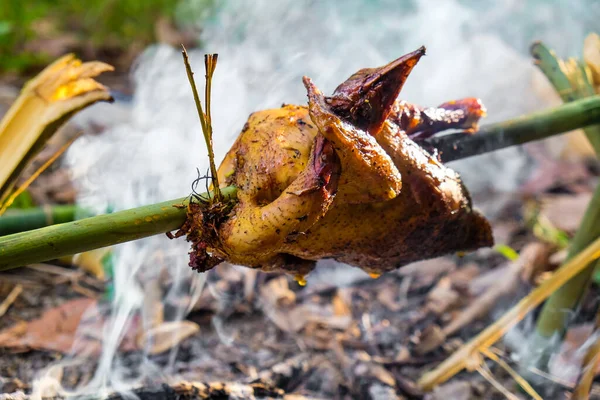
105,230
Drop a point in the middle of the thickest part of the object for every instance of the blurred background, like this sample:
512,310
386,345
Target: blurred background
344,334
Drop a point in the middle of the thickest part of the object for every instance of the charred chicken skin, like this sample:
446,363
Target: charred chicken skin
345,178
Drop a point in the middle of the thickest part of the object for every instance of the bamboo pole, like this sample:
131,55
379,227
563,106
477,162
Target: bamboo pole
14,221
574,115
95,232
104,230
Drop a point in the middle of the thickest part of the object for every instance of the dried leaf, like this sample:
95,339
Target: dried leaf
456,390
92,261
277,292
425,273
167,335
54,330
533,257
375,371
75,326
442,297
388,297
45,103
461,277
340,307
430,339
565,212
591,56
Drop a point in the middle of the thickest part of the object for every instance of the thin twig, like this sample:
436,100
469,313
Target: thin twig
458,361
206,128
531,255
488,376
552,378
518,378
12,296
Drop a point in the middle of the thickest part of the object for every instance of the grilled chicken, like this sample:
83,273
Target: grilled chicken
345,178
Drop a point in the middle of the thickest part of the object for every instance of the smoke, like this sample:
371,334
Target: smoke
153,144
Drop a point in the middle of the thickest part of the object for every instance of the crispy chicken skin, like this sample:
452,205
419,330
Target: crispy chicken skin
345,178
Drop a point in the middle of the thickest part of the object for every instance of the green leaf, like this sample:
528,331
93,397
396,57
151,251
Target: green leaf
508,252
6,27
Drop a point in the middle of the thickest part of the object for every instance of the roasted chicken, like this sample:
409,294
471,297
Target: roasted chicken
344,178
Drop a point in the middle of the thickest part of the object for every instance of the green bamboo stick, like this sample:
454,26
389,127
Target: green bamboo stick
95,232
14,221
451,147
104,230
558,310
548,63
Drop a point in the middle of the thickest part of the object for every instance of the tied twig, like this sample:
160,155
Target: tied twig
210,61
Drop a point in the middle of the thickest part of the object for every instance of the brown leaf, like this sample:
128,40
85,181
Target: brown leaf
535,261
461,277
54,330
75,326
442,297
387,296
375,371
552,172
166,336
279,305
430,339
340,307
504,281
565,212
317,336
424,273
277,292
455,390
